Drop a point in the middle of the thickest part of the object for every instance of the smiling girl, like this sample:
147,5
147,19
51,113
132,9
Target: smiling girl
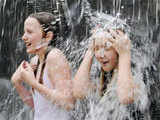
112,50
48,73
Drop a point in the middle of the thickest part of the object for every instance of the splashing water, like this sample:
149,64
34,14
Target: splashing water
141,53
82,17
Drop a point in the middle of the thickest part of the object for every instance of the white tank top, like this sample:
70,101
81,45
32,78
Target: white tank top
44,109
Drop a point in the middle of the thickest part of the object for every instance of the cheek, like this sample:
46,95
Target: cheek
114,59
112,56
36,38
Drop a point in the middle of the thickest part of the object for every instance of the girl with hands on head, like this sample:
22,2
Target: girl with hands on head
111,48
48,73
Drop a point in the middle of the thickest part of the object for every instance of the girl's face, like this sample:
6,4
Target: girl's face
107,56
32,34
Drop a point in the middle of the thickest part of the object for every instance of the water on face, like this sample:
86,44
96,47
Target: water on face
140,23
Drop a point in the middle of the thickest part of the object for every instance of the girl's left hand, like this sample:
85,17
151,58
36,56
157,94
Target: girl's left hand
120,41
28,74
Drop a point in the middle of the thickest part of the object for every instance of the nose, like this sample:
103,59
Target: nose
101,53
24,37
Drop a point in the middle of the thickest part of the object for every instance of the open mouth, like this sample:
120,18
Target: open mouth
28,44
105,62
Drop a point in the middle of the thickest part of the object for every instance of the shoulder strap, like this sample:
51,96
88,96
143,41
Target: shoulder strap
43,66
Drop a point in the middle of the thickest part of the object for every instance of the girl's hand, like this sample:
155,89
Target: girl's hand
120,41
16,77
27,73
91,47
34,67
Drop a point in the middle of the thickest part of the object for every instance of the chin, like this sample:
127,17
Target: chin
107,69
30,52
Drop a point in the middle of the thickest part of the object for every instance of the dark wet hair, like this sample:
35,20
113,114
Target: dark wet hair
48,21
105,79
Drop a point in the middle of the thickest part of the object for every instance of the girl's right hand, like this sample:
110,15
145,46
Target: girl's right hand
16,77
91,47
34,67
120,41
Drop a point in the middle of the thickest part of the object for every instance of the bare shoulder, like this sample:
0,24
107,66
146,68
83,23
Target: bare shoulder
57,65
56,55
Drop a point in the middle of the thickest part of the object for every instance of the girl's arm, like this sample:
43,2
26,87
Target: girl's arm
81,82
125,83
24,94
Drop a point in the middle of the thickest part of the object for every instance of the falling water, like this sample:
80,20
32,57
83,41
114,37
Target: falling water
99,6
81,17
139,9
157,10
133,10
147,13
116,6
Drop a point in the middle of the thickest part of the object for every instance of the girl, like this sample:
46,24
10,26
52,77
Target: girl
112,50
48,73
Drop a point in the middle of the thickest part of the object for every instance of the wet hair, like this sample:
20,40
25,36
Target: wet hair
105,78
48,22
107,22
101,24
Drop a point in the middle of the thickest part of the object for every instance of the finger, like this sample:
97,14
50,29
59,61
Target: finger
119,36
34,67
93,44
120,32
24,65
20,69
22,62
20,65
27,69
28,66
95,29
111,39
115,47
113,33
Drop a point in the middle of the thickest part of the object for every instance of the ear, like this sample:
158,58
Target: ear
49,36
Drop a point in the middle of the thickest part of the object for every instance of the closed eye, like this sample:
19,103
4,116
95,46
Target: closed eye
96,48
29,31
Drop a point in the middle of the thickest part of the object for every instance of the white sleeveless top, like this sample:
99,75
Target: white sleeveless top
44,109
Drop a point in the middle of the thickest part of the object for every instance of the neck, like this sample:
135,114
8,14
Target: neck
41,54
